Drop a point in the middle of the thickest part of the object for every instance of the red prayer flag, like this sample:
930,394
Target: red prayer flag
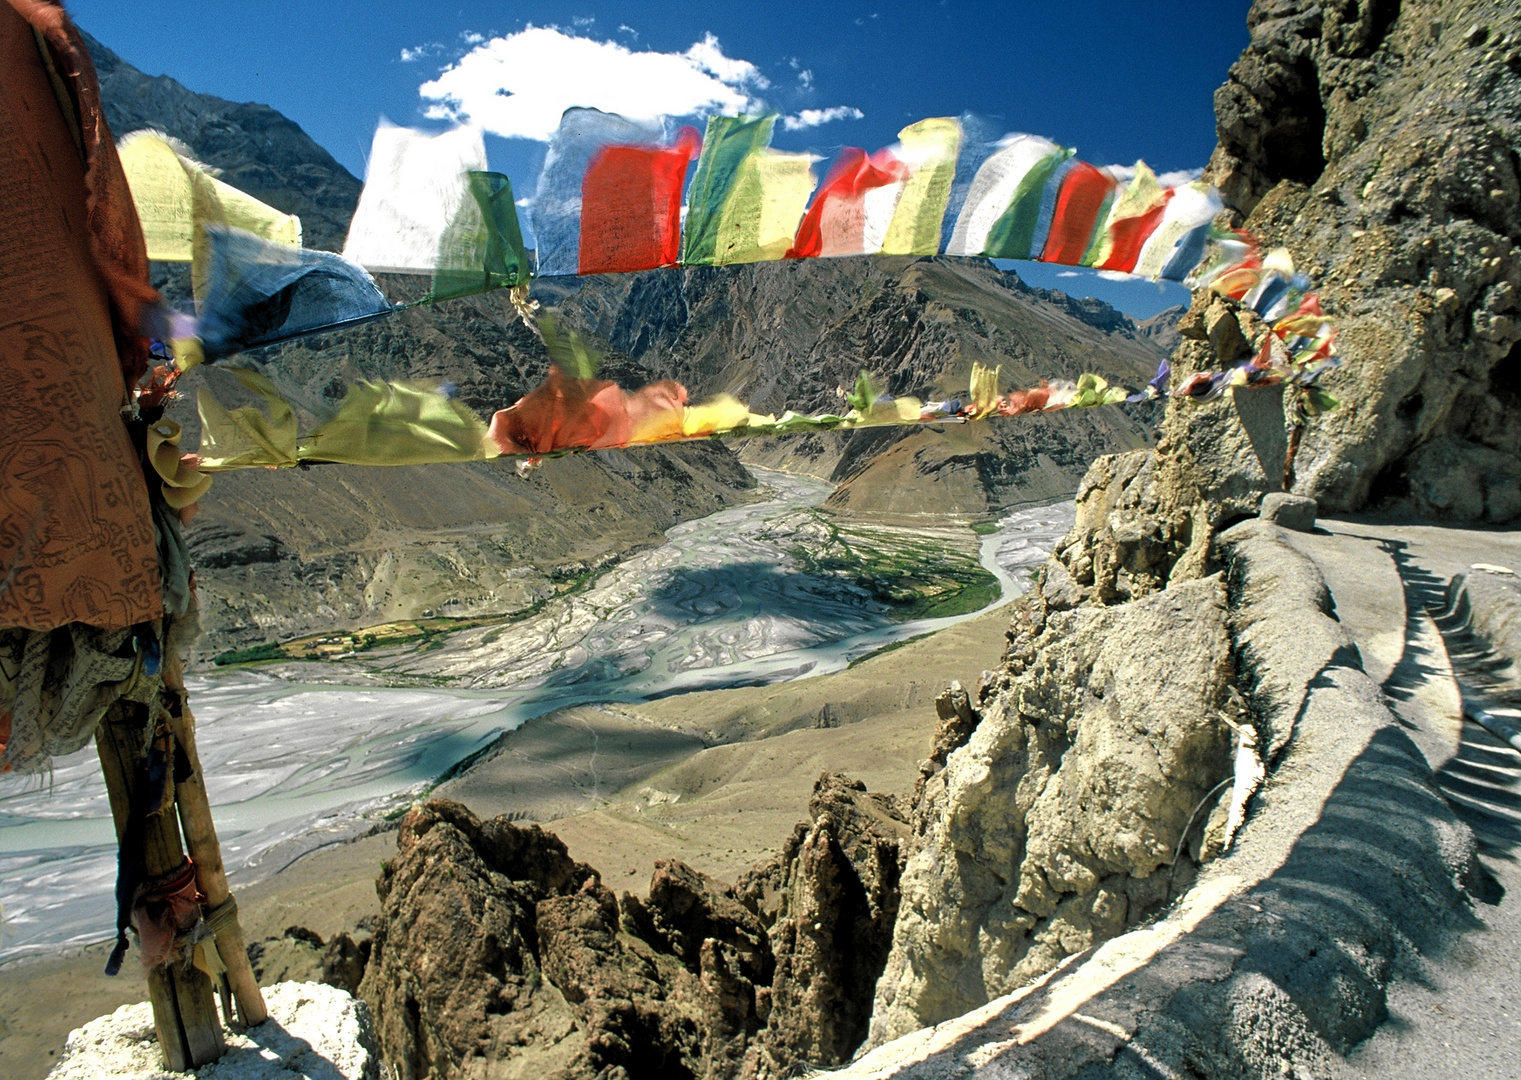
836,222
1130,236
631,206
1081,200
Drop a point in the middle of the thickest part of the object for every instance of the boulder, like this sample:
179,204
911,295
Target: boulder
1295,512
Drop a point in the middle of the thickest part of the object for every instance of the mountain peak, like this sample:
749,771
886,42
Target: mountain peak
259,150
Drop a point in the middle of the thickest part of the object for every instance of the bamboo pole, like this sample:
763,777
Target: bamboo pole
184,1006
201,837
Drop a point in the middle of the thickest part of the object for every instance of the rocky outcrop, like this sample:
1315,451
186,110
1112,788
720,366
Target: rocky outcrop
1061,820
496,954
1277,960
1377,142
829,899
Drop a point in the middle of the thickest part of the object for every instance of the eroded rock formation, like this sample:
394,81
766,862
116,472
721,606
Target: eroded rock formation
1060,821
497,954
1377,141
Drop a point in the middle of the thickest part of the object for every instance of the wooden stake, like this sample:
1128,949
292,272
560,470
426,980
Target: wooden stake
201,837
184,1006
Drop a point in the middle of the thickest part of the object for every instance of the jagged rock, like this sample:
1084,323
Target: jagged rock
1376,139
1059,823
686,908
496,954
1295,512
957,720
344,960
627,997
454,979
1377,144
832,898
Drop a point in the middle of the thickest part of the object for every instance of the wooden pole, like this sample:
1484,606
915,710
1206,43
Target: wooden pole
201,837
184,1004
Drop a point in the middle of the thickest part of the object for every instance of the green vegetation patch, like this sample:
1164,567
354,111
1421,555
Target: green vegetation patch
983,528
917,576
267,651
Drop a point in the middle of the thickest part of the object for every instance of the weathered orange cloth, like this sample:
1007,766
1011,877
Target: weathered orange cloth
76,536
115,233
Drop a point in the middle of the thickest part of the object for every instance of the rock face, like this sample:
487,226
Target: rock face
1061,820
829,899
1377,140
496,954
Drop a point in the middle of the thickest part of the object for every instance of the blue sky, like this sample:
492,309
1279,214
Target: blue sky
1119,81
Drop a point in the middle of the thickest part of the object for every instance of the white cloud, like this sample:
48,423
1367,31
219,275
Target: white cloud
410,55
811,118
625,28
1069,273
1117,275
1124,173
805,79
708,55
582,21
1179,176
472,37
518,85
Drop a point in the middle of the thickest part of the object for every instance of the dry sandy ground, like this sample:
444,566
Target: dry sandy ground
717,779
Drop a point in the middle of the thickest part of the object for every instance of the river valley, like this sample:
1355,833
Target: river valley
302,755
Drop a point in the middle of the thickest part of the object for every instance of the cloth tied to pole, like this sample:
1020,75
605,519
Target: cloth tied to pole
166,909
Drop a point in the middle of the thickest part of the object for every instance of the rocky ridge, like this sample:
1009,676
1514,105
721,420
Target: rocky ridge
1377,141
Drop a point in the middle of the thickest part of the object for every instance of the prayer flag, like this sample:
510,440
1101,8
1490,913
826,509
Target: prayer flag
853,207
1178,243
246,437
631,206
414,188
929,150
482,249
176,198
746,199
1080,205
260,293
556,210
1002,208
1132,218
398,424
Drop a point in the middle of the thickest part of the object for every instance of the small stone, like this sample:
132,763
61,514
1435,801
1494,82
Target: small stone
1295,512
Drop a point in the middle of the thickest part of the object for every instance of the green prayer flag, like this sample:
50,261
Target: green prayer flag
482,248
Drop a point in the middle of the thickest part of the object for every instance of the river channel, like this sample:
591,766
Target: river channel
294,765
